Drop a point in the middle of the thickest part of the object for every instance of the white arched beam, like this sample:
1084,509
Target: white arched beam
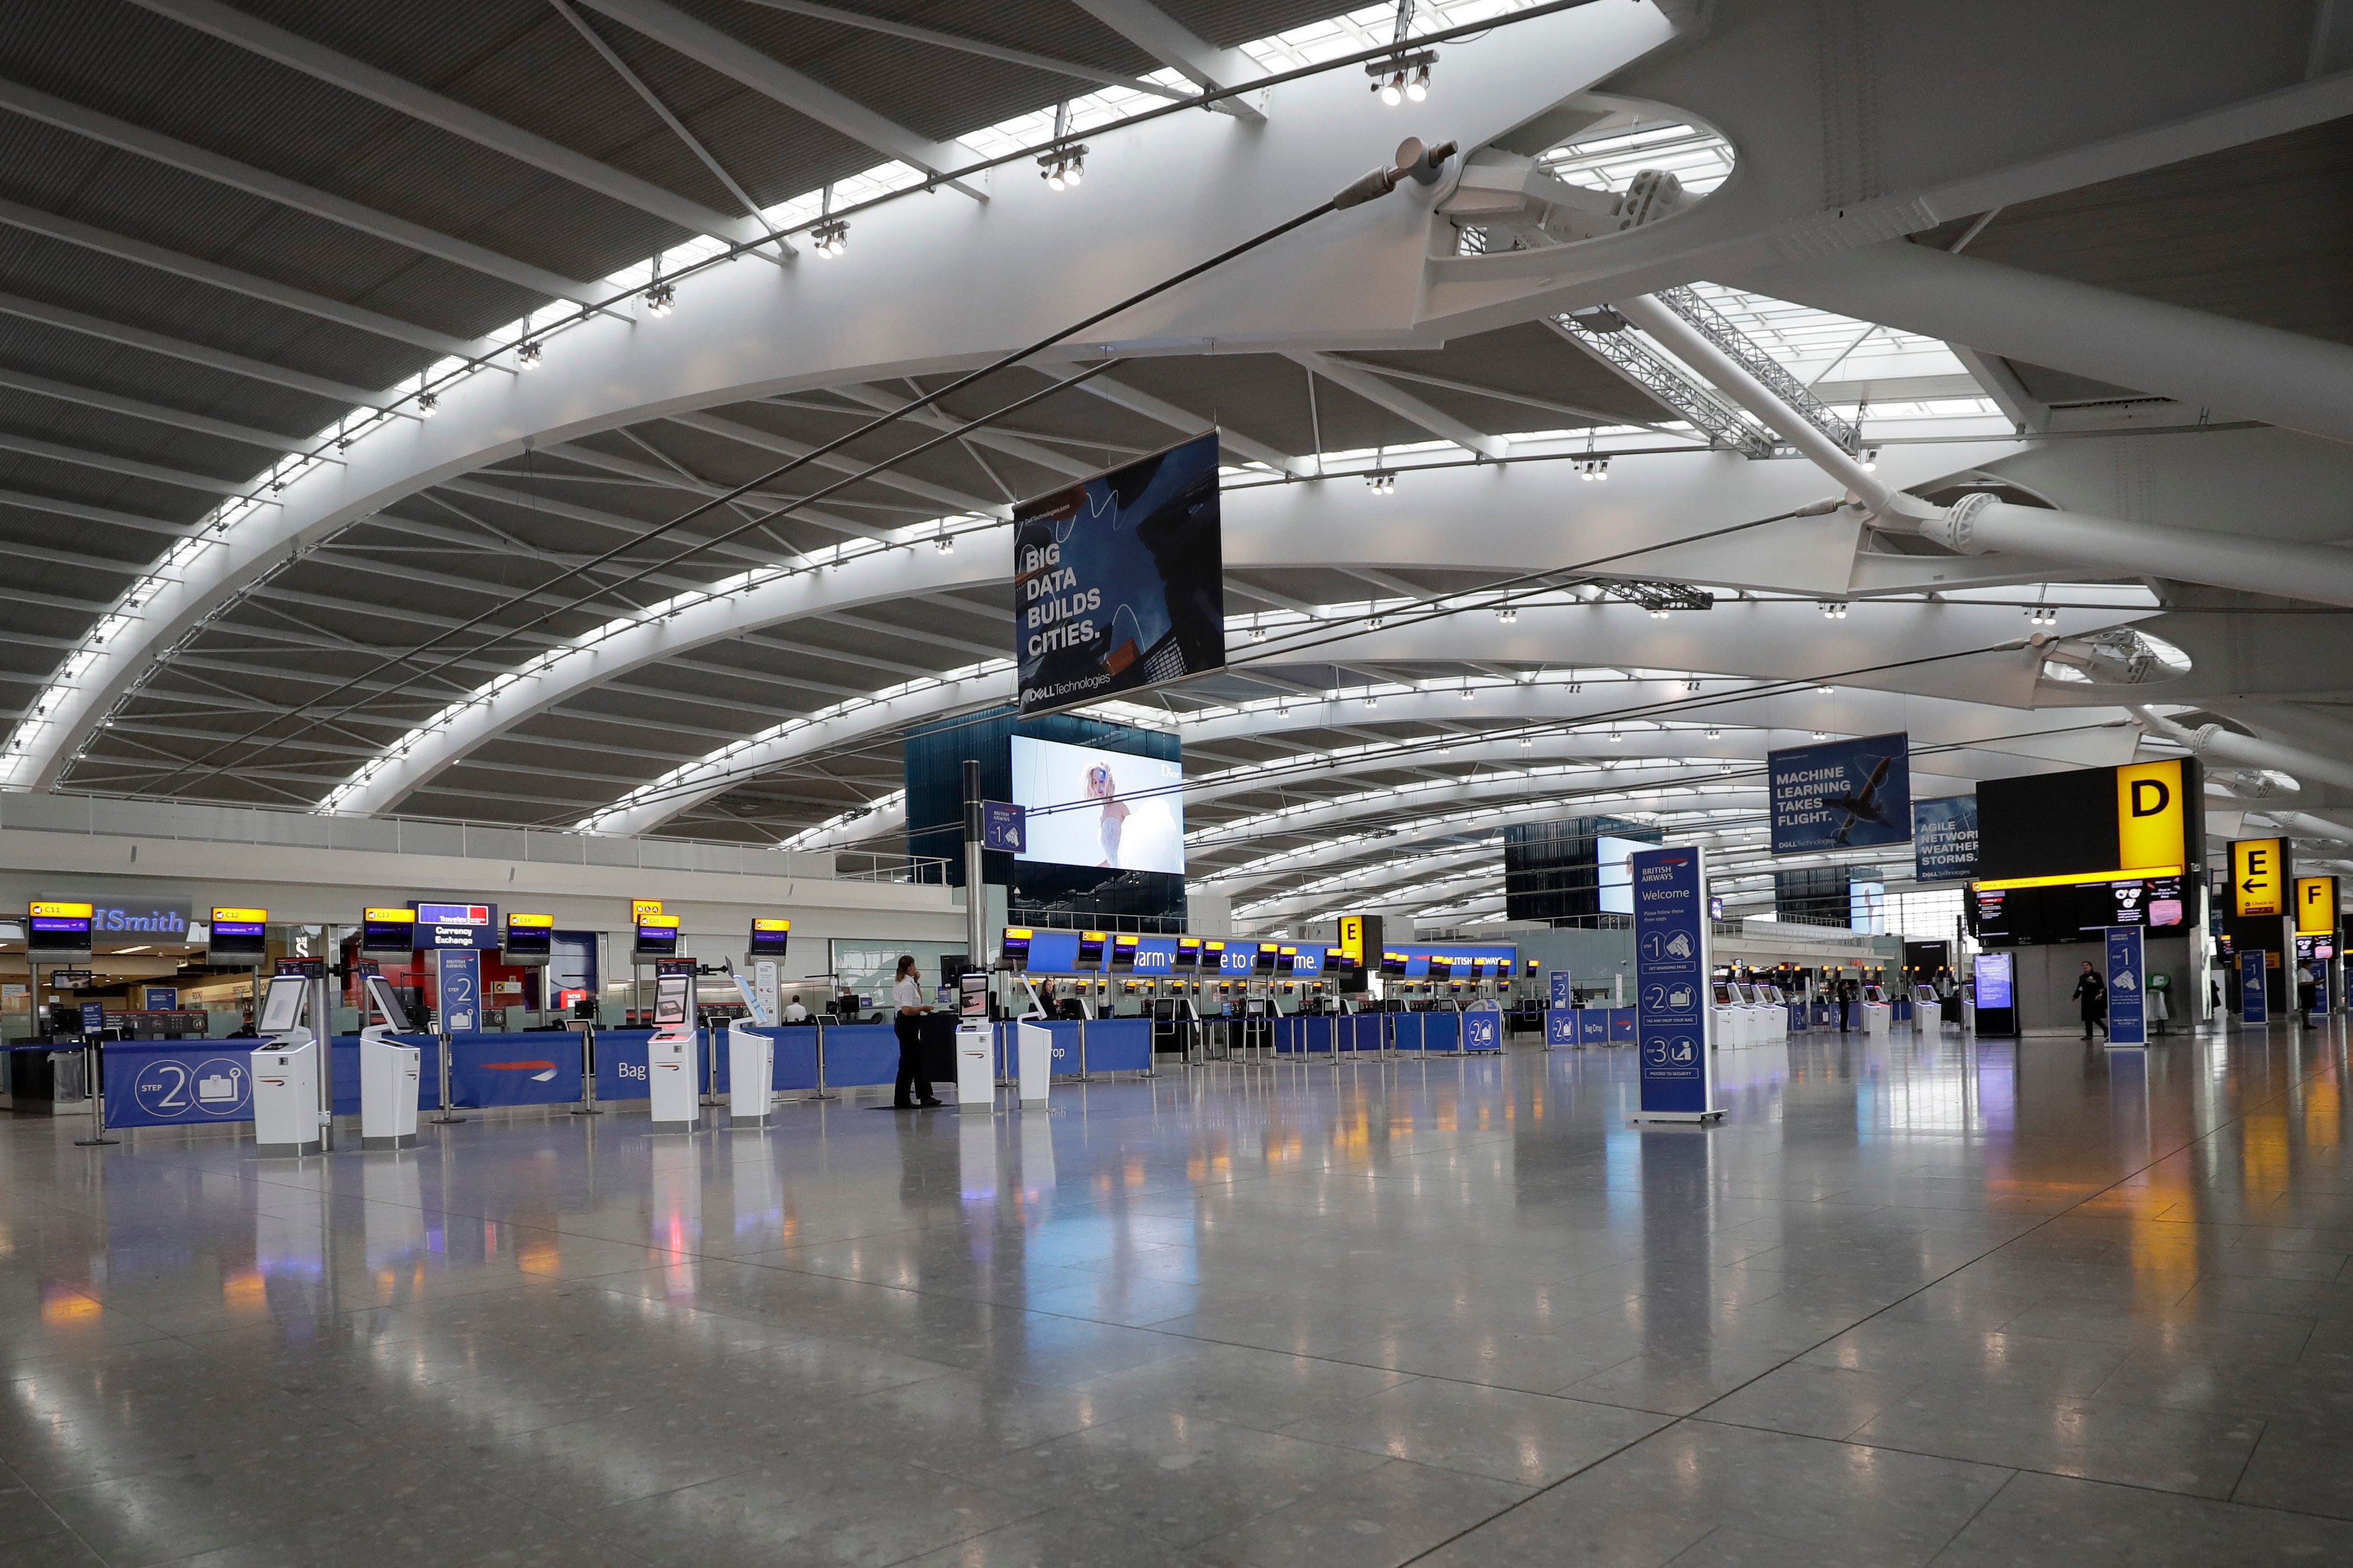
934,286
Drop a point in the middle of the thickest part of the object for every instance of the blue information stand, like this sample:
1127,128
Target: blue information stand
1560,1027
2128,982
1671,971
2254,992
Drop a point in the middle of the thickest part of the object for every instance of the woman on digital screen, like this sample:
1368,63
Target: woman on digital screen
1101,786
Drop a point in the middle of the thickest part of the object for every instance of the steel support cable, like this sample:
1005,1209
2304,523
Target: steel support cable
1379,182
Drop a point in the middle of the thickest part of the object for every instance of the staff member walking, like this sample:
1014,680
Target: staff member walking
2091,993
914,1086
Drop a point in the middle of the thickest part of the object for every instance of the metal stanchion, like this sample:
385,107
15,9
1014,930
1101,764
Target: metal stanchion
448,1111
1082,1050
587,1106
93,1076
820,1093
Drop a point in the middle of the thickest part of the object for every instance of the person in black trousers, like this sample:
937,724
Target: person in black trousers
1848,990
2090,993
914,1086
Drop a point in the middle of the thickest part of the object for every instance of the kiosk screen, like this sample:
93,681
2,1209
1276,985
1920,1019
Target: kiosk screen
770,938
658,941
281,1004
1091,949
529,938
1268,952
386,1002
1188,954
1122,954
670,994
1014,947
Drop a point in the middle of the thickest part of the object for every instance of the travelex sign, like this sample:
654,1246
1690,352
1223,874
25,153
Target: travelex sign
1841,793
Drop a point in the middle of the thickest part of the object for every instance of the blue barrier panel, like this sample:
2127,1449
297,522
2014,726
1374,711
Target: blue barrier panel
1119,1045
1593,1026
1797,1017
190,1083
176,1083
1368,1031
1430,1031
1560,1026
541,1067
1622,1022
1483,1030
1063,1050
621,1069
859,1054
796,1055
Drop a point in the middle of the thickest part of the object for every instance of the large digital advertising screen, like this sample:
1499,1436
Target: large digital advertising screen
1119,581
1613,861
1092,808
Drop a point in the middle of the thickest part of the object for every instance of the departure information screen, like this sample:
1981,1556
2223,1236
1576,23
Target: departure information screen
2079,912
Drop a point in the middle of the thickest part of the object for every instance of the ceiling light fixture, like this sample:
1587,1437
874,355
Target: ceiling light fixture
830,239
1063,169
1507,614
429,404
1419,87
527,353
1381,482
659,298
1870,460
1833,609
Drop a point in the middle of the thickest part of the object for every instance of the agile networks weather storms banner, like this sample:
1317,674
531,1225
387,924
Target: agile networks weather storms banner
1119,581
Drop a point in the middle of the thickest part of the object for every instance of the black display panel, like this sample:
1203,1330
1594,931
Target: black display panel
386,935
2047,824
2080,912
1188,954
238,939
1015,948
770,938
529,939
56,934
1122,954
656,941
1091,949
1268,952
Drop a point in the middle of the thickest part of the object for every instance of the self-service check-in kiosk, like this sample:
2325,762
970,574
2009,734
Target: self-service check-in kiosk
286,1115
1928,1010
670,1055
391,1074
1876,1010
751,1060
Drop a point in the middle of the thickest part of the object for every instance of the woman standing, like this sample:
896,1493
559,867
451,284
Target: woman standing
914,1086
2090,993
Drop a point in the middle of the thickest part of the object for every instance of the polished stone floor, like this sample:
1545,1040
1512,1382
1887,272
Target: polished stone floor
1912,1302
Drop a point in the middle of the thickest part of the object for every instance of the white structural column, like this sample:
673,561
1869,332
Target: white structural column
2212,741
1110,389
1732,378
2236,368
1984,525
2304,825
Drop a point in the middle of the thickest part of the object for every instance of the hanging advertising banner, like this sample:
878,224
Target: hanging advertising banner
1944,839
1119,581
1841,793
1671,971
2127,1001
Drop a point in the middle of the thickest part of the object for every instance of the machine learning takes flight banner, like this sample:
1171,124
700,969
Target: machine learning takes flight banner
1119,581
1841,793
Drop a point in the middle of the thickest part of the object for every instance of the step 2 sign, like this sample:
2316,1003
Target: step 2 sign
1671,969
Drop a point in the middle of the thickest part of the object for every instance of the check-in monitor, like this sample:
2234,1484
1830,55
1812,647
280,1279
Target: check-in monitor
673,998
770,938
388,929
529,939
656,941
281,1004
386,1002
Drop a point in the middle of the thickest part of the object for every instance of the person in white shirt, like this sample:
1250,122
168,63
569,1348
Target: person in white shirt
794,1012
914,1086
